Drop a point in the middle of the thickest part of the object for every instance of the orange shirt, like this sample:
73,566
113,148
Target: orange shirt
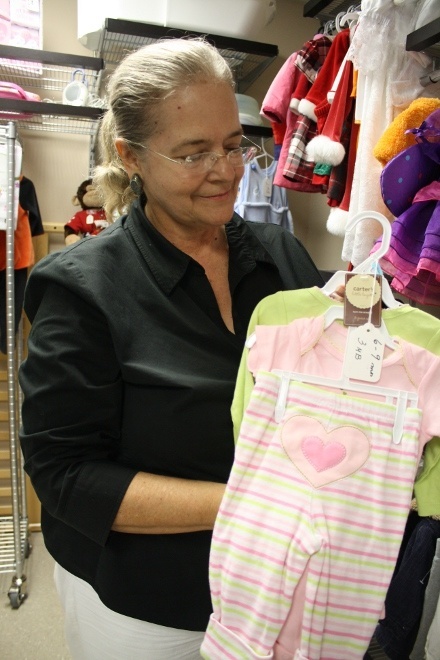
23,246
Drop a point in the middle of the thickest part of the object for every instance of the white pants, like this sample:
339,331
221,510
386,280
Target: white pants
94,632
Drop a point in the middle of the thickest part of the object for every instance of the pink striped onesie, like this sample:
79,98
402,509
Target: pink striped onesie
310,526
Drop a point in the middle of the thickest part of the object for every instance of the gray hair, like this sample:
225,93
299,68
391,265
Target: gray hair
139,84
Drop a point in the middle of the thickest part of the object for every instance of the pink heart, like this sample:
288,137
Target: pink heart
323,456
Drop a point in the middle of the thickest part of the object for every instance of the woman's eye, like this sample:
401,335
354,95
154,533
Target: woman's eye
194,158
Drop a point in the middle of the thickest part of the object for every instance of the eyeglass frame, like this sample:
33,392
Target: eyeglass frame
183,162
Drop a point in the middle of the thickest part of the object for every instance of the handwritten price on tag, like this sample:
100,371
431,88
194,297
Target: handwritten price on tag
364,353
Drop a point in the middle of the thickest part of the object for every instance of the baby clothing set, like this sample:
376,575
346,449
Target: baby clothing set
309,529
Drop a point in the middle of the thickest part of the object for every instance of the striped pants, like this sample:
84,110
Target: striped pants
310,526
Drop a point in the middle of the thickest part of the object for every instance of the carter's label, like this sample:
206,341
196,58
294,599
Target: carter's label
363,299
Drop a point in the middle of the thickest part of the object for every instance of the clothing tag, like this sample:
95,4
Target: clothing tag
267,187
363,299
364,353
89,219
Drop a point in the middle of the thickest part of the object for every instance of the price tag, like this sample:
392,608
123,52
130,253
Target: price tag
267,187
364,353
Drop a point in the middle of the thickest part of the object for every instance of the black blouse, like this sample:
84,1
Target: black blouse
130,367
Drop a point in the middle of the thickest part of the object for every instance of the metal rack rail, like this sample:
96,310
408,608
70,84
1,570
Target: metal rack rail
247,59
47,74
51,72
14,533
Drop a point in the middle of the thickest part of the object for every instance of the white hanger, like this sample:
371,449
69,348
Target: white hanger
367,266
329,27
264,153
350,17
337,311
401,398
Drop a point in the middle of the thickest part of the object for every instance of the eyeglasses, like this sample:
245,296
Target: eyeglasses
203,162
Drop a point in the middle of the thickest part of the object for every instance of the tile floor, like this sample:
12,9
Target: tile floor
33,631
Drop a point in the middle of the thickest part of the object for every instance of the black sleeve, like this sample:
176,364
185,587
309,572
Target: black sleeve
72,404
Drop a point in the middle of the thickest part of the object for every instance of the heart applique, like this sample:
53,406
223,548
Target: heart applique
323,456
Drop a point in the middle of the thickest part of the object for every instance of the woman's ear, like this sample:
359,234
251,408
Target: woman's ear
129,159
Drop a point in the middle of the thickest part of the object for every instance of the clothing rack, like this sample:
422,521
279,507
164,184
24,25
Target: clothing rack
14,534
431,77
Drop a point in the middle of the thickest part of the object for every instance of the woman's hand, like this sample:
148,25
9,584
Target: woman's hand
338,294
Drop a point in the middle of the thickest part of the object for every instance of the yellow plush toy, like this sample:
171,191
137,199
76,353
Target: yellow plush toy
394,139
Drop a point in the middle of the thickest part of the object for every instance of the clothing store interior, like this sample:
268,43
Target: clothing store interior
326,545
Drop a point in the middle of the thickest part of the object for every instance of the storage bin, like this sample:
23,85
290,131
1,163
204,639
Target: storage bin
249,110
234,18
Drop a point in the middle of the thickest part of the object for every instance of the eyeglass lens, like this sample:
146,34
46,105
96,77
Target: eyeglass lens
237,158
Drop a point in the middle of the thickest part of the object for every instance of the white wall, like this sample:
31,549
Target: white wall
57,163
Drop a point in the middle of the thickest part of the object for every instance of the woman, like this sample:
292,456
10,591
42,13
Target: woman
135,343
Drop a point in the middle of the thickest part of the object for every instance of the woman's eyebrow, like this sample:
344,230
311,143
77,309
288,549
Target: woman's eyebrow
197,141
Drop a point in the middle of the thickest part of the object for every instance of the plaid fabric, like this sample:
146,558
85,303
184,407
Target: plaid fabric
296,167
312,55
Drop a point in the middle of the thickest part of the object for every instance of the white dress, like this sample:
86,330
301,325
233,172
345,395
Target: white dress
386,76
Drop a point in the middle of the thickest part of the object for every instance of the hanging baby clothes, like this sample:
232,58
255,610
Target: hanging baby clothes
259,199
289,82
379,55
275,106
333,146
29,224
294,503
330,103
410,187
315,106
412,324
413,258
297,167
427,486
28,200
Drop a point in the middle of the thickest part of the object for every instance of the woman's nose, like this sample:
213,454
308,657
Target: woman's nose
222,167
